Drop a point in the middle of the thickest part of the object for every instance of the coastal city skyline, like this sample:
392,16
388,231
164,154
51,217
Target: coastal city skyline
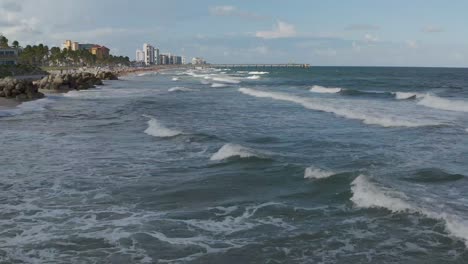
251,32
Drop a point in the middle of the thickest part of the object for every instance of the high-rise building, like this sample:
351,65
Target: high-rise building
184,60
156,57
149,54
140,56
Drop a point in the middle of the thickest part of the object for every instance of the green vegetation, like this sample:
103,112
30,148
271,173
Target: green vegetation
21,69
41,55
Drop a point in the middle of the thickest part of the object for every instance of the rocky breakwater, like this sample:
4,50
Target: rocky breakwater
74,81
21,90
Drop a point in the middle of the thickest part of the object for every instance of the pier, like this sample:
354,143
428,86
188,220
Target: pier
286,65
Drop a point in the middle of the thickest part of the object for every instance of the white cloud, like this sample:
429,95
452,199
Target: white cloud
369,38
433,29
280,30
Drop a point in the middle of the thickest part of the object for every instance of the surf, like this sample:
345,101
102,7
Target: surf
231,150
367,194
367,116
156,129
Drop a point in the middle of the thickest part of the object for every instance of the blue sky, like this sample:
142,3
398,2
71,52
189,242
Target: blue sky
359,32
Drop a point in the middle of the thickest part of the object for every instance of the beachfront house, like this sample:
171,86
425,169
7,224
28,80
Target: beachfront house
9,56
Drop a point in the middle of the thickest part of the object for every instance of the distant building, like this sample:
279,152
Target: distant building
101,52
176,59
156,57
8,56
198,61
163,59
69,45
184,60
140,56
149,54
86,46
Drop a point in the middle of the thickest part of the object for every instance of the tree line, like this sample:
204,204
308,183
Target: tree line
42,55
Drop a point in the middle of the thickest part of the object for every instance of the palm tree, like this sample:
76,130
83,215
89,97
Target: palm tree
15,44
3,42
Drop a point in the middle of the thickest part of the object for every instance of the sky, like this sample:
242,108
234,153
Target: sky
427,33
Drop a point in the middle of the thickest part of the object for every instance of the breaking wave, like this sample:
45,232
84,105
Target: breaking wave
365,115
321,89
406,96
157,129
180,89
436,102
218,85
317,173
258,73
225,80
175,78
254,77
233,150
369,195
26,107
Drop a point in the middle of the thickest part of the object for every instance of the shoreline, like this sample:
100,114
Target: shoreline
9,103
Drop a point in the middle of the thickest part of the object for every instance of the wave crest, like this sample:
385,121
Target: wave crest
180,89
157,129
233,150
436,102
321,89
365,115
317,173
368,195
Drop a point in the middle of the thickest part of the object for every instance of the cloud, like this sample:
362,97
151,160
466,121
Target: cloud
228,10
433,29
369,38
362,27
280,30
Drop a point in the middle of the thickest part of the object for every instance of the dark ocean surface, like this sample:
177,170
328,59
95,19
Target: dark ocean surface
318,165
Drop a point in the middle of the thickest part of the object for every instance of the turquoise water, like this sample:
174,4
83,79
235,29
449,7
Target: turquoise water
319,165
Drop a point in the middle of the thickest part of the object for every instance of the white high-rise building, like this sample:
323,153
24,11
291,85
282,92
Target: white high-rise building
184,60
149,54
140,56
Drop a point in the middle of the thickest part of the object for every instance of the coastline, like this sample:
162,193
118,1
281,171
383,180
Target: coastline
8,103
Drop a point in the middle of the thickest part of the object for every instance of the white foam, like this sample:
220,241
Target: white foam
27,107
233,150
321,89
317,173
175,78
157,129
366,115
219,85
369,195
258,73
180,89
225,80
436,102
466,130
406,95
254,77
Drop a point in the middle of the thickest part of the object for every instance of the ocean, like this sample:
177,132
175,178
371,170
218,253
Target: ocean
241,165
